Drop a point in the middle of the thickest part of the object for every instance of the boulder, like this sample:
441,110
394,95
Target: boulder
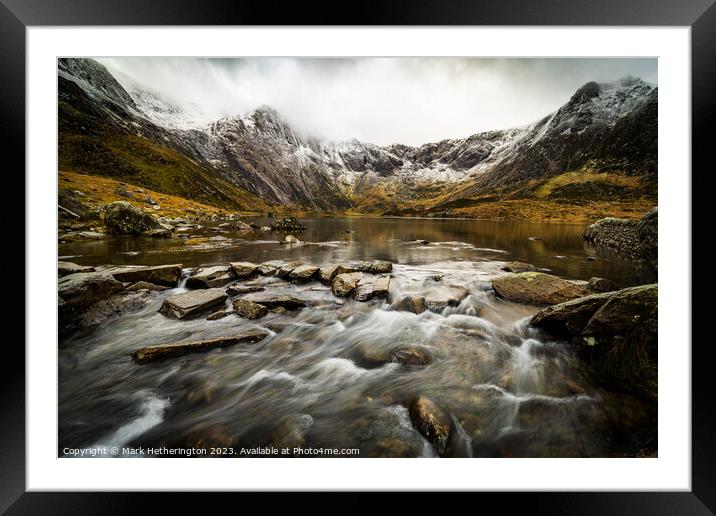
101,310
287,224
414,304
244,269
287,268
270,268
166,275
237,290
236,225
291,240
344,284
614,332
602,285
145,285
173,349
376,267
519,267
373,287
431,421
192,303
210,277
303,273
65,268
328,273
123,218
84,288
648,233
440,298
537,288
273,301
248,309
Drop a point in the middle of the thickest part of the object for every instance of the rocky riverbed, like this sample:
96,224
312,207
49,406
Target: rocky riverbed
466,356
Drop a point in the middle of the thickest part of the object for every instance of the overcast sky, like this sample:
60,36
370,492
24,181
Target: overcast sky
379,100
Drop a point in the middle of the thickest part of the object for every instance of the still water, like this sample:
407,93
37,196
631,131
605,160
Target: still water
508,389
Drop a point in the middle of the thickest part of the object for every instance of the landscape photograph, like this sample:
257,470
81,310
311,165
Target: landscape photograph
364,257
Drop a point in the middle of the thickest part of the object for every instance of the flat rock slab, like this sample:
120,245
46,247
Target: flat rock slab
210,277
303,273
174,349
537,288
167,275
376,267
65,268
244,269
237,290
287,268
195,302
145,285
274,301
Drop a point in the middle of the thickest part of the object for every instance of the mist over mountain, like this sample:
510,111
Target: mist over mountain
606,130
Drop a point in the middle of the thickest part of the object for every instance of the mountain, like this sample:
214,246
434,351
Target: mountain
601,143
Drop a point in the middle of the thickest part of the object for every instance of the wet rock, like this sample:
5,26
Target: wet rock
370,355
570,317
244,269
173,349
158,232
287,224
270,268
344,284
414,304
210,277
65,268
219,314
121,217
249,309
273,301
615,333
373,287
537,288
291,432
145,285
286,269
328,273
519,267
291,240
84,288
167,275
376,267
101,310
192,303
602,285
431,421
236,225
237,290
441,297
412,356
303,273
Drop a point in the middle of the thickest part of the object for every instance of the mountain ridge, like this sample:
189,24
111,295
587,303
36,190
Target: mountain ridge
608,128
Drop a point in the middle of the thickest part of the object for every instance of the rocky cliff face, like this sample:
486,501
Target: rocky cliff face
604,127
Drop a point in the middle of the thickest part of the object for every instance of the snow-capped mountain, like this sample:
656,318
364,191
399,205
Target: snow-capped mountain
603,127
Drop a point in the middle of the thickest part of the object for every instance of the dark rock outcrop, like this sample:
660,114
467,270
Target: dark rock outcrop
166,275
287,224
123,218
637,239
249,309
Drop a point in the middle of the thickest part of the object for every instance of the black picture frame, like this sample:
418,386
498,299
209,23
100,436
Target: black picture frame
17,15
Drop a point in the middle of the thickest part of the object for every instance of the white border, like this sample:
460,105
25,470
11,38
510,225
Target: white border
670,471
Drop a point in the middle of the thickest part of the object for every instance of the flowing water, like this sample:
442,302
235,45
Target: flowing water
509,389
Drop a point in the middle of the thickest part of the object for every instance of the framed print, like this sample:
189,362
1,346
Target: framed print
419,252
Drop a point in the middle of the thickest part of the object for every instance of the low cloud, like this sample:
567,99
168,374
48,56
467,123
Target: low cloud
379,100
